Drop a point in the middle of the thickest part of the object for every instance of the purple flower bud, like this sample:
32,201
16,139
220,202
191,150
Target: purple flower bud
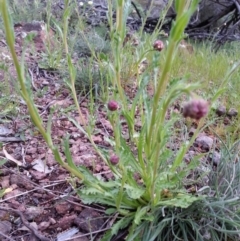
158,45
114,159
112,105
195,109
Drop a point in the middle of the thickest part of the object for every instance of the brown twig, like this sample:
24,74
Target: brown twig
26,223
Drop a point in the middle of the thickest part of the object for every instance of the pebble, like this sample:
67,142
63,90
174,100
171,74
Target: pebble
89,220
204,142
189,156
232,112
215,158
33,212
221,110
63,207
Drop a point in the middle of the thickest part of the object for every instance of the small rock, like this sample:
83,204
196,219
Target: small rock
105,168
221,110
31,150
4,215
52,220
63,207
32,212
12,195
215,158
189,156
89,220
226,121
232,112
192,131
38,175
45,82
66,222
21,181
204,142
43,225
97,139
49,158
5,182
83,148
88,158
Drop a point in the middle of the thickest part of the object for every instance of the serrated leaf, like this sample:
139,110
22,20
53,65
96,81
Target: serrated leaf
127,156
134,192
90,190
88,175
90,199
140,214
182,201
122,223
107,236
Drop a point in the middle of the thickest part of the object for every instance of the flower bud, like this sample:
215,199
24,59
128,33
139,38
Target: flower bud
195,109
114,159
158,45
112,105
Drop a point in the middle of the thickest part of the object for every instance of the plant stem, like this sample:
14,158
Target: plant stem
161,88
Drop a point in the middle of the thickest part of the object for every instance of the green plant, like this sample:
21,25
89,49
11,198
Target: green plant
2,191
148,191
26,10
7,105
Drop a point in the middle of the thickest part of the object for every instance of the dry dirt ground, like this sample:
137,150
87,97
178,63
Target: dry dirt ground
40,202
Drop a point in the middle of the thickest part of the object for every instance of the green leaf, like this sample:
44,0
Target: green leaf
178,27
110,184
140,147
77,125
130,121
93,198
68,154
103,57
88,175
107,236
182,200
127,156
134,192
58,28
2,192
179,158
2,162
179,6
122,223
193,6
140,213
110,211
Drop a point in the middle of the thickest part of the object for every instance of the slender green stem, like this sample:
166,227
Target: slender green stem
70,65
161,88
20,73
119,35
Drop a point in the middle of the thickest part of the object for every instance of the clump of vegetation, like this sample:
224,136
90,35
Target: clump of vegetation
148,193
